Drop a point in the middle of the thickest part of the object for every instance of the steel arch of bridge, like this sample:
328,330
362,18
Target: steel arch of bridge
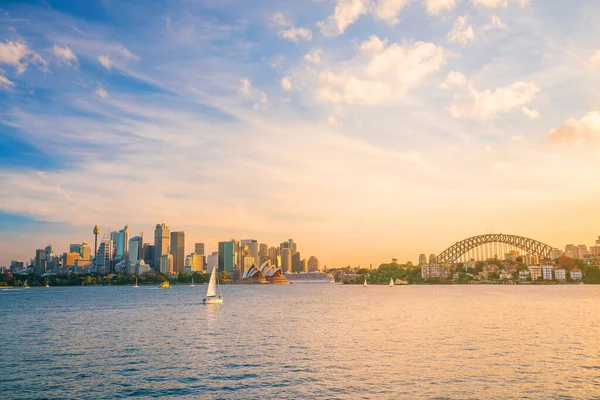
454,252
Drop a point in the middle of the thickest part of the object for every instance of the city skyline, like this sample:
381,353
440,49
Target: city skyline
366,130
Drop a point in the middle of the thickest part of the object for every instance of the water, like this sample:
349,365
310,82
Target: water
301,341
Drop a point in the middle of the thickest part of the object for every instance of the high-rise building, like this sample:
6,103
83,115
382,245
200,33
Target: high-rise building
104,255
85,251
166,264
252,249
289,244
583,251
178,251
274,256
212,261
432,259
148,254
227,256
41,262
49,252
69,260
296,262
304,265
16,266
572,251
122,243
135,252
422,259
286,260
314,264
162,243
75,248
247,263
195,262
199,249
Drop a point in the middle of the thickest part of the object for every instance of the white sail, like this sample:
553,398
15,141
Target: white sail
365,284
212,285
391,282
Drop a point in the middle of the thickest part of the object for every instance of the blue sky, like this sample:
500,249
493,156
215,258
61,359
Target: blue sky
353,126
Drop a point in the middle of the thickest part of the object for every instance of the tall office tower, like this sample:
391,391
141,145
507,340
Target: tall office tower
212,261
178,251
252,249
227,256
135,253
314,264
247,263
75,248
196,262
41,262
85,251
296,263
148,254
583,251
69,260
422,259
162,243
304,265
166,264
263,250
273,255
572,251
199,249
432,259
286,260
289,244
122,243
49,252
104,256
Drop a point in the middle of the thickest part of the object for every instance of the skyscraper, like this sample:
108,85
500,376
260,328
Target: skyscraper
432,259
274,256
178,251
422,259
104,255
314,264
199,249
41,262
289,244
226,256
148,253
85,251
49,252
252,249
212,261
166,264
296,263
75,248
135,253
162,243
286,260
122,243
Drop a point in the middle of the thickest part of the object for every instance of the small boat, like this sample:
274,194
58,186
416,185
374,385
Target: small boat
192,285
365,283
47,284
400,282
136,283
391,282
25,285
164,285
211,291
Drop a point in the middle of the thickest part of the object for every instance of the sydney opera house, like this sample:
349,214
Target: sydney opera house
266,273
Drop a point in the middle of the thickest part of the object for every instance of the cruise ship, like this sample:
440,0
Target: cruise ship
309,277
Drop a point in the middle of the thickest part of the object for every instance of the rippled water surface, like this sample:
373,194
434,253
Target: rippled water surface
301,341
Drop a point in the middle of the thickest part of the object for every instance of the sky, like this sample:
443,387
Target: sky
363,129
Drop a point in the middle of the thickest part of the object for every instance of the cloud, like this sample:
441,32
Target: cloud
286,84
295,34
20,56
489,104
5,83
439,6
595,60
498,3
383,73
462,33
277,62
453,79
314,56
278,20
64,54
497,22
101,92
575,133
105,61
345,14
388,10
259,97
531,113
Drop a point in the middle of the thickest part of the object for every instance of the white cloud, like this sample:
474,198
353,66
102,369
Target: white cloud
439,6
497,22
278,20
595,60
531,113
462,33
453,79
64,53
345,14
336,115
261,103
276,62
574,132
286,84
314,56
101,92
5,82
498,3
383,75
260,98
105,61
388,10
491,103
295,34
20,56
245,86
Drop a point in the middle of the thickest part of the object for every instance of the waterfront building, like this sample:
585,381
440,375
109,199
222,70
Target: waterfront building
583,251
576,274
195,262
253,249
41,262
104,255
135,250
212,261
274,256
547,272
289,244
199,249
304,265
142,268
178,251
162,243
296,262
439,271
122,243
70,259
85,251
148,254
572,251
422,259
595,250
535,272
286,259
511,255
166,264
314,264
16,266
432,259
247,263
227,256
560,274
556,253
531,259
263,250
523,275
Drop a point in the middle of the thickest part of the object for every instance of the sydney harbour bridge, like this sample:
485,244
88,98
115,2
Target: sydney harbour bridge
494,245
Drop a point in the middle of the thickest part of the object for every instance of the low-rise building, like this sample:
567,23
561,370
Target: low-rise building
523,275
560,274
506,275
576,274
535,273
440,271
547,272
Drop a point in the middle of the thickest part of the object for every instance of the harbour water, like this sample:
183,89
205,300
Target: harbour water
302,341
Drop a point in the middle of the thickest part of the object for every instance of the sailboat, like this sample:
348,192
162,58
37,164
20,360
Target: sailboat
211,291
47,284
365,283
25,285
136,283
192,285
391,282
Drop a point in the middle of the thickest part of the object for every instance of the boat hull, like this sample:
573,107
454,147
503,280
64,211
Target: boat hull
212,301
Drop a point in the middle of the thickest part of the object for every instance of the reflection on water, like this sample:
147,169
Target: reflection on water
299,341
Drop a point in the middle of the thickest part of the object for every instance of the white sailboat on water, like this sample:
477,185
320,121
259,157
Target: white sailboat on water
192,285
136,283
365,283
211,291
391,282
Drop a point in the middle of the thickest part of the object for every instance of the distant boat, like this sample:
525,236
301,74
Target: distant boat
47,285
391,282
365,283
211,291
164,285
136,283
192,285
25,285
400,282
